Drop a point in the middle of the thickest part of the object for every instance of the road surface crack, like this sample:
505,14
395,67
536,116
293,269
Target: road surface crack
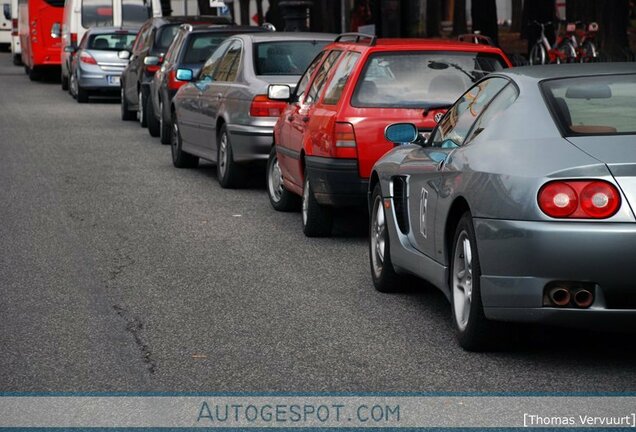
135,326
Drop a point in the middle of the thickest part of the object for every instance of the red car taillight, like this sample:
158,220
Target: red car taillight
173,82
262,106
345,141
87,58
74,39
14,27
579,199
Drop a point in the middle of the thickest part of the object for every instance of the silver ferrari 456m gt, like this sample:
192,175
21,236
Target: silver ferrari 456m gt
519,206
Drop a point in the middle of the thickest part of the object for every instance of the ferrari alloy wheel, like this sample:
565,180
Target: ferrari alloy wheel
474,331
382,272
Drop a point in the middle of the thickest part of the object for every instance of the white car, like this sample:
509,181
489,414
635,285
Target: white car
5,24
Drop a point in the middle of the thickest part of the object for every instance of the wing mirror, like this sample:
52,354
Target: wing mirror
152,60
401,133
184,75
56,31
124,55
279,92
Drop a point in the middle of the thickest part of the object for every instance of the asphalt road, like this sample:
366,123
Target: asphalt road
120,273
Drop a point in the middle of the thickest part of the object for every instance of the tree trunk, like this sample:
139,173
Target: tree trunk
433,17
459,17
484,15
245,12
259,12
517,21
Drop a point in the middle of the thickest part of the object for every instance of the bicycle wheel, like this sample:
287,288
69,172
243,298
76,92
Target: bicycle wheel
590,54
567,52
538,55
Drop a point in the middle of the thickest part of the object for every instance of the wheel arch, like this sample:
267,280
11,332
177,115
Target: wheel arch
373,181
457,210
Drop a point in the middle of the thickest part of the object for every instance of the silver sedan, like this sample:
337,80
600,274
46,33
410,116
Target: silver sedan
520,205
224,114
99,60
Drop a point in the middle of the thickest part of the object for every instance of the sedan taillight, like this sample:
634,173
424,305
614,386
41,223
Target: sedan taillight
173,82
345,141
262,106
579,199
87,58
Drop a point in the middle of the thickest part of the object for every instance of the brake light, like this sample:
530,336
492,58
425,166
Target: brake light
345,141
87,58
262,106
74,39
151,69
173,82
14,27
579,199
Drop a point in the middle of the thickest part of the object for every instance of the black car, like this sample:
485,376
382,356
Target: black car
153,40
190,49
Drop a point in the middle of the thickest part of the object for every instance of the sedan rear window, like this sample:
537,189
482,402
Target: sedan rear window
416,79
285,57
201,46
111,42
593,105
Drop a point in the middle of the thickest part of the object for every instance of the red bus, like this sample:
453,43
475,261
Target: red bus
39,27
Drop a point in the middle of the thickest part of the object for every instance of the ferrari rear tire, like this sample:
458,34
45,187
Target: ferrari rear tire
474,332
385,279
317,219
280,198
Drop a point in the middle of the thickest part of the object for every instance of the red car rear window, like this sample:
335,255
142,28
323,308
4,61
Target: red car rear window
413,79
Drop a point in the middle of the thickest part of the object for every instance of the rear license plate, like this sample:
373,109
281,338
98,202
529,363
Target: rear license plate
113,80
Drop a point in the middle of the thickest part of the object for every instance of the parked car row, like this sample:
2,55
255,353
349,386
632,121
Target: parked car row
512,191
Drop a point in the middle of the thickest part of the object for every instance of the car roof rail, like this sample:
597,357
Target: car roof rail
356,37
476,38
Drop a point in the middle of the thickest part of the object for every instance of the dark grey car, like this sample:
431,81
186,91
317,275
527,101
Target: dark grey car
520,206
224,115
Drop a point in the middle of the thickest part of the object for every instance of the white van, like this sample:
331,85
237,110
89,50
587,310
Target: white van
80,15
15,36
5,24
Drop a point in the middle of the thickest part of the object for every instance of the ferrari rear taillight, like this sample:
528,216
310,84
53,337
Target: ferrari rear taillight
173,82
345,141
262,106
579,199
86,58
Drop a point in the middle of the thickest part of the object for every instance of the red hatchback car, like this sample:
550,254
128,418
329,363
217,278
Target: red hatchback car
331,131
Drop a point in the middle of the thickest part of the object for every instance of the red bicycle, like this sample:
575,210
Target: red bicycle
563,51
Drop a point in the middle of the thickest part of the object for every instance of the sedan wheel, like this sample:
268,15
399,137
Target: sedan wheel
229,173
126,114
280,198
164,125
474,331
141,112
382,272
317,219
180,159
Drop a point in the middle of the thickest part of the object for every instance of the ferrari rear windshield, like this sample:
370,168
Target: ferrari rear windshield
593,105
416,79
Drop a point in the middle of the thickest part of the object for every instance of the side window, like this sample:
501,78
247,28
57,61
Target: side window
321,77
140,37
502,101
228,65
174,48
301,88
340,78
207,70
454,127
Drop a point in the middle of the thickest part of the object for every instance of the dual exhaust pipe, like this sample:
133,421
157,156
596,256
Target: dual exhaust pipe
562,296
